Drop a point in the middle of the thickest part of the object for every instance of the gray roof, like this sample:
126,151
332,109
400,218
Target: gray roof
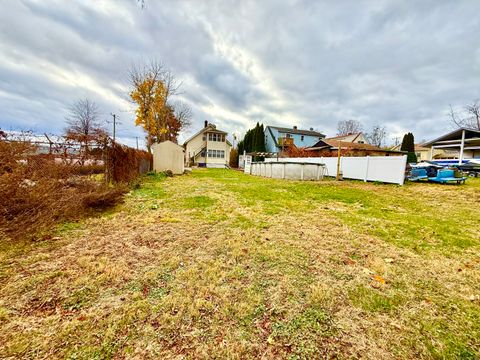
297,131
455,135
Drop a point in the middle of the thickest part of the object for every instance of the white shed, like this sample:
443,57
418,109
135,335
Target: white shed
168,156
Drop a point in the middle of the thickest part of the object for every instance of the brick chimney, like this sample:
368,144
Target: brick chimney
311,129
206,123
295,127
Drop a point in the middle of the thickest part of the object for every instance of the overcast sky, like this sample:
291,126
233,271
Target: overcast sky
293,62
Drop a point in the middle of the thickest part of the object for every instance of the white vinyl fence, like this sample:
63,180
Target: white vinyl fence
288,170
389,169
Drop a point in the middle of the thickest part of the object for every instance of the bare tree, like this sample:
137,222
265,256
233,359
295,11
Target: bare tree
84,125
346,127
468,118
377,136
183,113
83,117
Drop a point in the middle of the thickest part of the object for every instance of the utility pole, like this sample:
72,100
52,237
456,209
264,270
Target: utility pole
339,159
136,137
114,124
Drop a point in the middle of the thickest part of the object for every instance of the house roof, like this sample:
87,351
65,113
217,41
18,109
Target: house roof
210,127
418,147
356,135
334,144
296,131
456,135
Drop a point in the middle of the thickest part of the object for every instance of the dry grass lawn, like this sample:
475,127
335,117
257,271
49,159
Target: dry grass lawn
218,264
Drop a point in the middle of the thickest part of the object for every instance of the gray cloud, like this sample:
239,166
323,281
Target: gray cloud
305,63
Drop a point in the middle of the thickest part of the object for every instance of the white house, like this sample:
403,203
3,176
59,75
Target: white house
208,148
461,144
168,156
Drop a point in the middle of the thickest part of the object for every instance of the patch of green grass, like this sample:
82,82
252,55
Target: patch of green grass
396,214
374,300
452,334
302,334
151,186
68,226
198,202
79,299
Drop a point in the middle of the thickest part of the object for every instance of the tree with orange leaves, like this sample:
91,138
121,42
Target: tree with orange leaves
152,90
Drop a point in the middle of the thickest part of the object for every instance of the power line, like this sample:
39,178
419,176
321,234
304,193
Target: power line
115,122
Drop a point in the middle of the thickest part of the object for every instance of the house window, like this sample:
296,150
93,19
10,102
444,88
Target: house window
202,154
288,136
216,154
302,137
361,142
216,137
204,137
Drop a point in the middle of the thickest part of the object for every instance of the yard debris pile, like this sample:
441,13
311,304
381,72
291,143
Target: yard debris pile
38,191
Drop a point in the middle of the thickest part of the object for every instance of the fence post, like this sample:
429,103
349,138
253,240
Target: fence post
403,169
366,169
283,171
301,172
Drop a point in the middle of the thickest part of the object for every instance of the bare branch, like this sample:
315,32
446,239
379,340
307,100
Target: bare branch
377,136
346,127
183,113
468,118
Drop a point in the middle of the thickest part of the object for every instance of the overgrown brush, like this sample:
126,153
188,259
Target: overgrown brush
125,164
36,192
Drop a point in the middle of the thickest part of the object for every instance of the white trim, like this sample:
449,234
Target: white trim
461,148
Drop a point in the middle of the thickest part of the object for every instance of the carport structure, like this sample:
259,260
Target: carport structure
464,140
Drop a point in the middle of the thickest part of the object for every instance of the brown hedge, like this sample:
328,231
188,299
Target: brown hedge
124,164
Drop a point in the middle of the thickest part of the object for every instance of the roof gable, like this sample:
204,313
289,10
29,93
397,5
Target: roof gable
340,137
210,127
296,131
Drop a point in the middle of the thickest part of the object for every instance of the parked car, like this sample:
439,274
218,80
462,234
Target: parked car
472,168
